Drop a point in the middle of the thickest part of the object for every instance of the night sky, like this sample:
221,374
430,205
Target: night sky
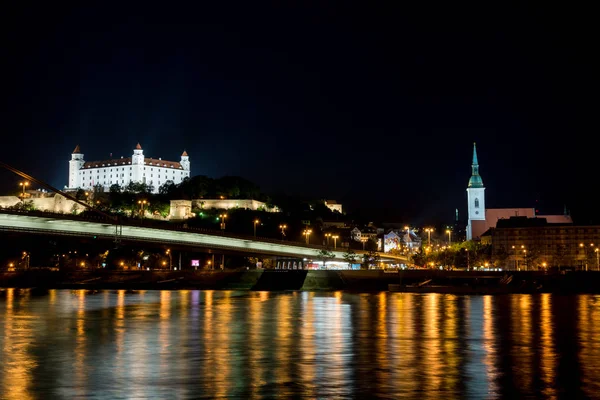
372,105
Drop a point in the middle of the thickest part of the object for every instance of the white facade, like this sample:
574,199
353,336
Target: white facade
475,196
122,171
333,205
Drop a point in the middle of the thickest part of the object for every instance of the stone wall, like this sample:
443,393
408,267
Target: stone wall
226,204
180,209
57,203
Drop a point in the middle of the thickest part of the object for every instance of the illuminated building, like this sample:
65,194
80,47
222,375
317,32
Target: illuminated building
137,168
532,243
481,219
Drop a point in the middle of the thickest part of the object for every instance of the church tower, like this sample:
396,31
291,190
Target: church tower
75,164
475,196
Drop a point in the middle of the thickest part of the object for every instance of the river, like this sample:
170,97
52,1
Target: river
76,344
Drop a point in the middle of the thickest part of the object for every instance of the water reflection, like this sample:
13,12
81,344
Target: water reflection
254,345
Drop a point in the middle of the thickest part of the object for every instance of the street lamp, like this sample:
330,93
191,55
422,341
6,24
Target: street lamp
283,228
428,230
596,250
449,232
335,238
256,222
364,241
223,217
23,186
26,257
142,203
307,233
327,235
170,258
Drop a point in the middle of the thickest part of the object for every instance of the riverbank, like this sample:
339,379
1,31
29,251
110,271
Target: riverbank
458,282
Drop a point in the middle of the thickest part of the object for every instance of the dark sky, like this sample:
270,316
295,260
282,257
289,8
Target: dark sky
374,105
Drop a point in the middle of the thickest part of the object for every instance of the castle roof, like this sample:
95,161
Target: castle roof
127,161
138,147
77,151
185,154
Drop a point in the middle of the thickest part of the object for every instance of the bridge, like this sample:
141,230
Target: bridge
67,225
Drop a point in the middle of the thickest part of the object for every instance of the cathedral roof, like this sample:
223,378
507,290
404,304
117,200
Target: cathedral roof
138,147
185,154
77,151
475,181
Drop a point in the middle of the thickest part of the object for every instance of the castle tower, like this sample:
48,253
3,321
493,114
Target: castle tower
475,198
75,164
185,161
137,164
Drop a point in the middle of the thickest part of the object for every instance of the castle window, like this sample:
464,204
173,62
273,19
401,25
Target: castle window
476,203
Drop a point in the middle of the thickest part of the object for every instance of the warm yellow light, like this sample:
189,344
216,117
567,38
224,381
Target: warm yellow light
122,263
335,236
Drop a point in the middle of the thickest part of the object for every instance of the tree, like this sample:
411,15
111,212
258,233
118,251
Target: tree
350,257
168,188
372,257
501,257
325,255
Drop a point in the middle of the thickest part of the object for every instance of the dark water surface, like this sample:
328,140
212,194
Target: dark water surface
63,344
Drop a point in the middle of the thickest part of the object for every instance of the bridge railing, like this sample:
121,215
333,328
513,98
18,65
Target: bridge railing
149,223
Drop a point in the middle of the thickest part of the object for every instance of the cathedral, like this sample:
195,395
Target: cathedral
137,168
480,219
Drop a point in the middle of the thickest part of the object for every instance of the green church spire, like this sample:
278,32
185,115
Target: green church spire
475,181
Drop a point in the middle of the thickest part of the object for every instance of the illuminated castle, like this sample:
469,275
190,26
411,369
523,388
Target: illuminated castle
137,168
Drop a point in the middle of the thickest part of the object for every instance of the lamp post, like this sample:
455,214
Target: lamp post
449,232
516,259
307,233
283,228
584,256
596,250
428,230
170,258
327,236
142,203
364,241
256,222
23,186
335,237
26,257
222,218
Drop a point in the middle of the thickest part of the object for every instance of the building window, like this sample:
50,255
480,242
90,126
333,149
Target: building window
476,203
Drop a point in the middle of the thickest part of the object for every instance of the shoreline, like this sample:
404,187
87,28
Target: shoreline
418,281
